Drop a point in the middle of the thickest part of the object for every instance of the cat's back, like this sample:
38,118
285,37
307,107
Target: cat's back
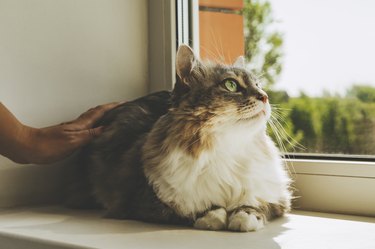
99,163
127,122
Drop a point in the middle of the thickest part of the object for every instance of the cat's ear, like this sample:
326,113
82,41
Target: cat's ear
185,61
240,62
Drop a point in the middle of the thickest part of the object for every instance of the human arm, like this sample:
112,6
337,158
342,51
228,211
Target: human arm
25,144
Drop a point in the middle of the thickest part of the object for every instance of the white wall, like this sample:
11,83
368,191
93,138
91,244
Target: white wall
58,58
61,57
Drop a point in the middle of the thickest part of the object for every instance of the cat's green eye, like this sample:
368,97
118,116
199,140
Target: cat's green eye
231,85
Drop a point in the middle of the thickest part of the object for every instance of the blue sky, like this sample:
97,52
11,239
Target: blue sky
329,44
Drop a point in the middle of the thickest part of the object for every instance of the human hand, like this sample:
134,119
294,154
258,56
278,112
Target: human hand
50,144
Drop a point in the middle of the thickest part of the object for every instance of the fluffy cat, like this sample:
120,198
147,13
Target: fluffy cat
198,155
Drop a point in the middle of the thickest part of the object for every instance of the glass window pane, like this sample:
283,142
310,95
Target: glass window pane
315,59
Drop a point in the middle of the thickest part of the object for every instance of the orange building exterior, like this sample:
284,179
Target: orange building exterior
221,30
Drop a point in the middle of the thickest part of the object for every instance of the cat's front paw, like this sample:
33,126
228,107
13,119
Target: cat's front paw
213,220
243,221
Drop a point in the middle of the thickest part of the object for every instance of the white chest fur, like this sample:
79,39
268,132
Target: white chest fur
236,172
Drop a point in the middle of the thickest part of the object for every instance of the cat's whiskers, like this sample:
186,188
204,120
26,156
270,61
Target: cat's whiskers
281,134
214,44
294,144
278,136
289,164
278,115
209,52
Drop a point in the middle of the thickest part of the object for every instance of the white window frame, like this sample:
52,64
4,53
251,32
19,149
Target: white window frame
171,23
338,185
162,44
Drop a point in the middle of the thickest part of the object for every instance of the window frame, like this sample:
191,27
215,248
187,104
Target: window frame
162,44
346,180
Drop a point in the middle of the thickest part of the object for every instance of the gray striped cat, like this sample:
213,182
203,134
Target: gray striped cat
198,155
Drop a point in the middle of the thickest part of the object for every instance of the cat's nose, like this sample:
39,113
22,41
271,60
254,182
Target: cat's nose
262,97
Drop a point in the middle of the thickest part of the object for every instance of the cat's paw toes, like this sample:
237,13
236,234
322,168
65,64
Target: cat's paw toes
213,220
244,222
209,223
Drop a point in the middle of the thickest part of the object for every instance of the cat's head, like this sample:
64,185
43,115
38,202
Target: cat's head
219,94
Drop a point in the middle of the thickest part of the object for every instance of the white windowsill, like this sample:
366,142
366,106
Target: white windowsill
56,227
334,186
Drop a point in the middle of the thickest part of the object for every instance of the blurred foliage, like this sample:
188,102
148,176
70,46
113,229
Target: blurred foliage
362,92
339,125
327,124
263,46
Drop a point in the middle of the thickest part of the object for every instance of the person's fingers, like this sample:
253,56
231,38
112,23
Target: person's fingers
87,119
82,137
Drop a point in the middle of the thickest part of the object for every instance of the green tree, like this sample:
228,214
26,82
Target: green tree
302,120
263,47
365,131
363,93
327,124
